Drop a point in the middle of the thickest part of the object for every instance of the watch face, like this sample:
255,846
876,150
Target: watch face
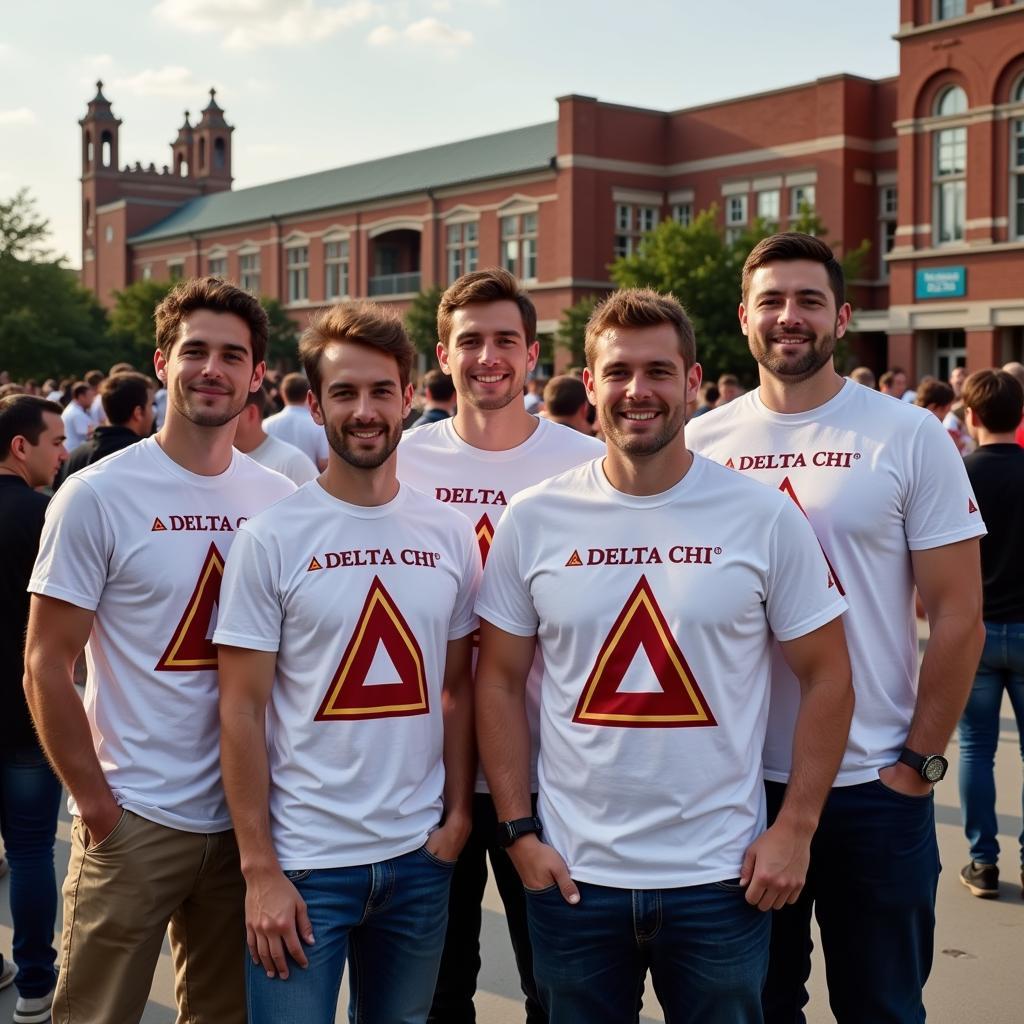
934,768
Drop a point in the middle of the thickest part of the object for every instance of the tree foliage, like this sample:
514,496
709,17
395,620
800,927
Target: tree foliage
572,327
49,324
132,321
421,321
283,339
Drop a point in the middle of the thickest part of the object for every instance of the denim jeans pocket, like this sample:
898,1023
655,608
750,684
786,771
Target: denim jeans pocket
730,885
910,798
298,876
108,840
540,892
434,859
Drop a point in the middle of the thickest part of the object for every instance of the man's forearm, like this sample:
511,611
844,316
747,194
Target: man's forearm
459,749
63,728
503,735
819,740
947,672
244,766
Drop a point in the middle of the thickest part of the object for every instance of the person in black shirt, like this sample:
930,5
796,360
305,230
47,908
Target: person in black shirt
31,451
993,401
440,394
128,405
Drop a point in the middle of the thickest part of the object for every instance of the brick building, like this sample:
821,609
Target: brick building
928,166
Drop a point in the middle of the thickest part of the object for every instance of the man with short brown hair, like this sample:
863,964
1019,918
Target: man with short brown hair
129,568
491,449
293,424
566,402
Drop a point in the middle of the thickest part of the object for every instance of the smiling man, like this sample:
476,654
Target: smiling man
653,583
346,702
130,567
477,460
890,502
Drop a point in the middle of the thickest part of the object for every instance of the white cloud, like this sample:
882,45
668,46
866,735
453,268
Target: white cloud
171,81
20,115
442,5
427,32
251,24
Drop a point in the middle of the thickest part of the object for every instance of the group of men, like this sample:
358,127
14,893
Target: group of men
290,691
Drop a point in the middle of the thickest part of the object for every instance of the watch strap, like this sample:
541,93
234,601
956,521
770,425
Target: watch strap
510,831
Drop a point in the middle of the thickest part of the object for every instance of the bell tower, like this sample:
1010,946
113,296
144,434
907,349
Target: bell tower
100,173
212,150
182,151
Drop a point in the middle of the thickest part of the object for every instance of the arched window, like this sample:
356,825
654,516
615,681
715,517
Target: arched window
219,155
1017,164
181,166
202,154
106,146
88,149
949,169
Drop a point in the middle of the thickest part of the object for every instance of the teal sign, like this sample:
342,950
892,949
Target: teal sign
941,283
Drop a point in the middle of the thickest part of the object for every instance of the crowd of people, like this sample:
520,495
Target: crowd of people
642,646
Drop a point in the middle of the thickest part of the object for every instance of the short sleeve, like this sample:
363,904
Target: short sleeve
802,593
75,549
939,504
464,620
505,598
249,613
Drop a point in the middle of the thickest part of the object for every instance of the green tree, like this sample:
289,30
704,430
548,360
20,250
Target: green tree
421,321
132,323
572,327
282,342
49,324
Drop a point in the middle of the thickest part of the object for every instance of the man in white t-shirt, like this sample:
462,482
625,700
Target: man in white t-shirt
78,421
346,702
254,441
654,582
890,502
129,567
294,425
490,450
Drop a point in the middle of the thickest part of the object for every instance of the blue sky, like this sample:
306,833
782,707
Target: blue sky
312,84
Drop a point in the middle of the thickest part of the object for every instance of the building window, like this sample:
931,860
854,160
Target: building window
946,9
886,226
519,245
631,224
147,272
736,213
682,213
217,266
1017,167
800,196
769,205
108,233
249,272
298,273
175,270
950,352
949,172
462,245
336,269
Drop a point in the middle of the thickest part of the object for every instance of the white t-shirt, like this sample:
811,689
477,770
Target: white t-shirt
359,604
655,616
877,479
96,411
434,459
285,459
294,425
141,541
78,425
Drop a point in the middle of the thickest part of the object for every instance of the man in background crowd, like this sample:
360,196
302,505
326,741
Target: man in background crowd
269,451
935,396
994,401
566,402
128,410
533,400
865,376
78,421
439,392
893,383
729,389
707,398
31,451
294,424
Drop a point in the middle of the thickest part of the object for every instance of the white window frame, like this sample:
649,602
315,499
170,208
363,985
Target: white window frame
337,265
737,209
1016,211
462,248
682,214
941,9
799,194
217,264
296,258
175,270
147,272
249,271
949,186
774,213
888,199
519,233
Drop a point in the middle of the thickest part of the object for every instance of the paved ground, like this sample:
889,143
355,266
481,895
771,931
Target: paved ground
978,965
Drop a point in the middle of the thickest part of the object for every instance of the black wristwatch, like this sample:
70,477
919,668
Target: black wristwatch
931,767
510,831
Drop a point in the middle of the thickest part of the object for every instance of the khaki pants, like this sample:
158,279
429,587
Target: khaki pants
119,898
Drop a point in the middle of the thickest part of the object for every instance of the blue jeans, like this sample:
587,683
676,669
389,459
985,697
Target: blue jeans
706,948
1001,668
871,884
387,919
29,804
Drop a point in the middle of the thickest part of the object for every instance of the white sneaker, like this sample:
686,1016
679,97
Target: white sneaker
7,974
33,1011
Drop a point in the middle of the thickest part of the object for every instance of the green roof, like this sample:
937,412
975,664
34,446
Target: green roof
490,156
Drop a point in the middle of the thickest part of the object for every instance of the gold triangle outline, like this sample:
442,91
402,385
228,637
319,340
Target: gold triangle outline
169,660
